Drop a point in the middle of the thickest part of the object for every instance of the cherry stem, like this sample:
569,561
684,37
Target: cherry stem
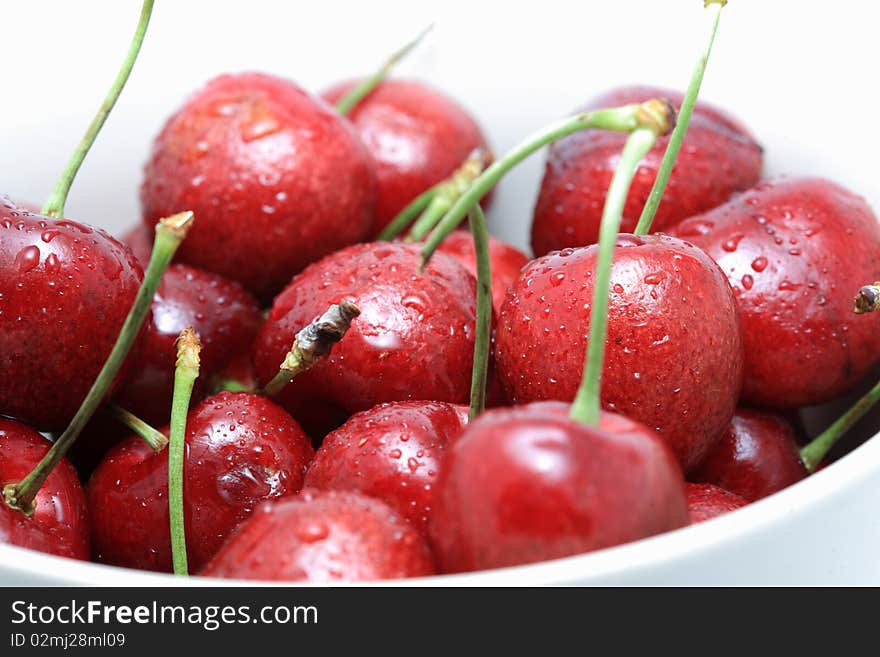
186,372
54,206
397,225
619,119
363,88
312,343
170,231
229,385
150,435
868,299
483,337
587,403
677,138
448,191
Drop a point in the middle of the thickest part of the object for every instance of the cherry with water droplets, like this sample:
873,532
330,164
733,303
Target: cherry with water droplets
323,536
707,501
276,177
241,449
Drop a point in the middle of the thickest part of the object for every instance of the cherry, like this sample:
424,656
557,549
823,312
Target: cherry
792,250
706,501
417,136
527,483
241,449
59,524
225,317
674,350
276,177
719,158
506,261
65,290
392,452
756,456
139,240
414,338
323,537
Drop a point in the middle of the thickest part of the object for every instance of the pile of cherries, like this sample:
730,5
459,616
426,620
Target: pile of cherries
369,464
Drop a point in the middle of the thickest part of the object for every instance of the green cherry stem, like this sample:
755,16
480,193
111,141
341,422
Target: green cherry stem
170,231
185,374
448,191
229,385
150,435
312,343
620,119
54,206
363,88
813,453
684,118
483,337
405,216
587,402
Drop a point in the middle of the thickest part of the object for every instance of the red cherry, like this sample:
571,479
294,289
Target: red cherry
241,449
65,290
225,317
60,522
506,261
673,359
391,452
322,537
718,158
276,178
417,136
140,241
756,457
706,501
528,483
795,251
414,338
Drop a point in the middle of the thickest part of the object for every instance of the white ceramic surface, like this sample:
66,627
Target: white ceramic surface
782,67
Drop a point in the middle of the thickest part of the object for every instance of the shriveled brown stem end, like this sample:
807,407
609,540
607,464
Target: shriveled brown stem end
868,299
706,3
658,114
316,339
179,223
188,348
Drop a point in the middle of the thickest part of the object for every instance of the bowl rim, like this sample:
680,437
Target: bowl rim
642,555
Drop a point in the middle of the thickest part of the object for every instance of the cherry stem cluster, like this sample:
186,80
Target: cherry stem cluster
54,206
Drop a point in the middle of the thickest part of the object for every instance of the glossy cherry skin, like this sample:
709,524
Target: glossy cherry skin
414,338
417,136
527,483
505,261
140,241
65,290
226,318
756,457
241,450
275,176
392,452
796,251
673,357
60,523
707,501
719,157
319,536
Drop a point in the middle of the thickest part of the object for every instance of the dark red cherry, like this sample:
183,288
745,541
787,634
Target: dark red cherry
225,317
757,456
528,483
65,290
706,501
323,537
673,359
241,449
417,136
275,176
795,251
506,261
719,157
59,524
414,338
140,241
392,452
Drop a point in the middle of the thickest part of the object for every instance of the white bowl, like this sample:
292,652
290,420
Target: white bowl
517,67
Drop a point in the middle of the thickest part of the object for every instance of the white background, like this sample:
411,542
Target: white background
801,73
